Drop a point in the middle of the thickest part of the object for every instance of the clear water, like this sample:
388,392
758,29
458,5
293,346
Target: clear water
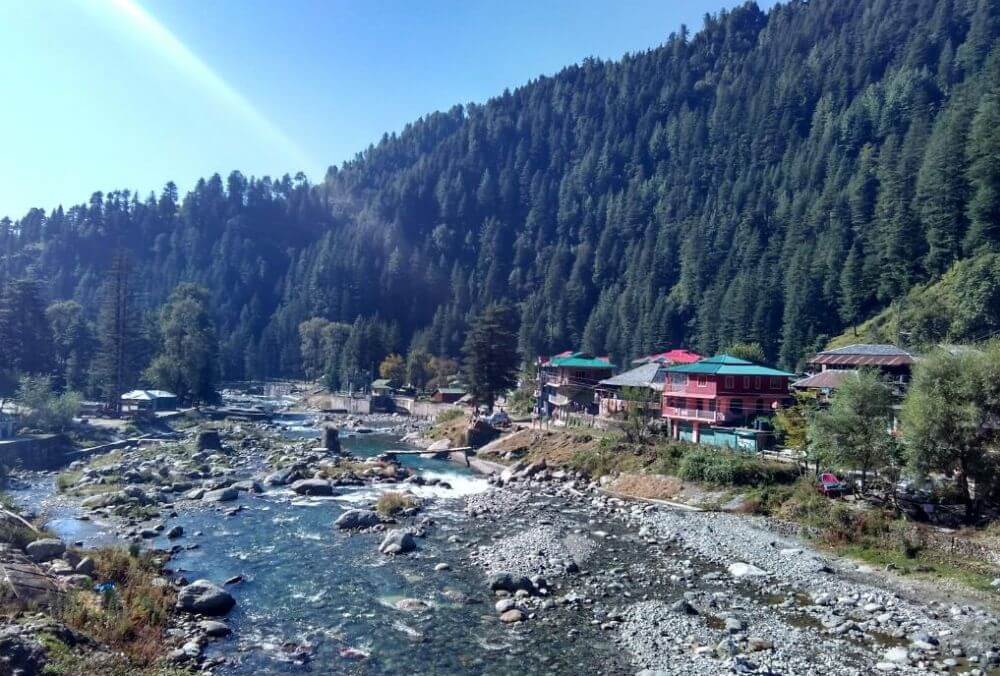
307,584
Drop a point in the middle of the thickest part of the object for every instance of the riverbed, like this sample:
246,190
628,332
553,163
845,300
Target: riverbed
315,599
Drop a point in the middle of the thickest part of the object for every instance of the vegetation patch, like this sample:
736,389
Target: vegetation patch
395,502
131,614
724,468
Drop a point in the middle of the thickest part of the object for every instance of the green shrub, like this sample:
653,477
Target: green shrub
725,468
448,415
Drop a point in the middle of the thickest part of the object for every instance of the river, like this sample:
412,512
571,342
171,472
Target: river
314,599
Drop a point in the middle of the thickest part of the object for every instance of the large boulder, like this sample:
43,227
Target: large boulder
312,487
205,598
45,549
331,439
227,494
398,542
208,440
356,519
503,581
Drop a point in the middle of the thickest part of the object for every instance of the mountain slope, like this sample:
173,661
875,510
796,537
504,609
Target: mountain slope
776,177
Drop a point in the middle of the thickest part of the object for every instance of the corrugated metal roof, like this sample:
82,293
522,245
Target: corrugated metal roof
642,376
677,356
148,395
727,365
863,354
579,360
830,379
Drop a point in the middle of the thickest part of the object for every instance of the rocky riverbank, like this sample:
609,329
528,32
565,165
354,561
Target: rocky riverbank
701,592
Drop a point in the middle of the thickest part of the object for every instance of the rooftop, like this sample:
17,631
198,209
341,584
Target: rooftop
578,360
830,379
381,383
670,357
727,365
148,395
647,375
863,354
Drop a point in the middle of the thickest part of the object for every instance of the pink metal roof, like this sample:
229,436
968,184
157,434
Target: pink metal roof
672,357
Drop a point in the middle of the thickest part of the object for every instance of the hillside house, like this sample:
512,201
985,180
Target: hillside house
892,363
669,358
568,382
718,400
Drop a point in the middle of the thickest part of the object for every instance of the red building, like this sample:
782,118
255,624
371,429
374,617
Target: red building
720,392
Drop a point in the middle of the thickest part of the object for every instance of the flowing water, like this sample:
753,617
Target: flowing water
310,590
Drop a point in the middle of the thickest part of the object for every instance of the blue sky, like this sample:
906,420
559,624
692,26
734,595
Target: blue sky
108,94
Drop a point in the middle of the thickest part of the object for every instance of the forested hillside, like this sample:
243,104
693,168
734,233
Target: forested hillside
776,177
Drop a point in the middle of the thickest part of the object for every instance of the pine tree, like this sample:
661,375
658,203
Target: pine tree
116,364
490,351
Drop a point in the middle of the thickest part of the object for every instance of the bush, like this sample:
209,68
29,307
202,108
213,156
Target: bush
394,502
725,468
131,617
48,411
448,415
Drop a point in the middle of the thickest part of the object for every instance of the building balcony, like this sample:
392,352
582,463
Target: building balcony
699,414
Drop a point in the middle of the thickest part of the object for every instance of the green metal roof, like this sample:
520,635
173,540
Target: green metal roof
580,360
727,365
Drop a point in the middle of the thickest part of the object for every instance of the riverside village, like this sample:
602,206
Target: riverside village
504,339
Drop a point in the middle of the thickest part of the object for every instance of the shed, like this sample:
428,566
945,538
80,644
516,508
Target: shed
382,387
448,395
148,401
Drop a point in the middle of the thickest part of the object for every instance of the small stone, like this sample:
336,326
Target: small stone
511,616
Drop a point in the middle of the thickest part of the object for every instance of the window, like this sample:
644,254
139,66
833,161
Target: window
756,383
702,381
736,406
746,382
730,382
775,383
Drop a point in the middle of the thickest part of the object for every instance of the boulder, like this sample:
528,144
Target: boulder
227,494
86,566
248,486
397,542
504,581
205,598
740,569
312,487
331,439
175,532
511,616
208,440
45,549
214,628
356,519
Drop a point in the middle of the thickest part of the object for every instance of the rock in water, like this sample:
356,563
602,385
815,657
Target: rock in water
398,542
45,549
208,440
331,439
312,487
511,616
205,598
213,628
175,532
222,495
356,519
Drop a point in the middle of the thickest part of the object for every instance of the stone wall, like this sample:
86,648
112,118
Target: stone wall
35,452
